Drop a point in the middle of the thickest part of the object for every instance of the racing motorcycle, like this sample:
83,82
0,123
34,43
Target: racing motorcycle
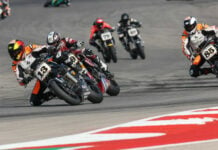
209,51
107,43
135,44
106,82
56,3
57,77
95,95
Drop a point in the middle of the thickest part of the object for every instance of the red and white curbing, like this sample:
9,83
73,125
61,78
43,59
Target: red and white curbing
174,129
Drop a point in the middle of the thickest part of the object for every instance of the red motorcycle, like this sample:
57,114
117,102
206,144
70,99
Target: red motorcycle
106,82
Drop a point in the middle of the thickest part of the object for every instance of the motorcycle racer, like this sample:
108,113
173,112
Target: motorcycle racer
98,25
125,22
64,44
57,3
191,42
18,51
4,5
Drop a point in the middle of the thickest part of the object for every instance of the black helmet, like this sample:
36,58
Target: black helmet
53,38
125,17
190,24
16,49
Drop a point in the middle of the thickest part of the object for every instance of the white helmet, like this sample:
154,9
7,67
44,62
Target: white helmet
190,24
53,38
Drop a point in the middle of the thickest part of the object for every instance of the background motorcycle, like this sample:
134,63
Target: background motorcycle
56,3
134,43
106,83
107,44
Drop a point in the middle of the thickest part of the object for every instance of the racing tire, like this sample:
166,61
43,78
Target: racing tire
59,92
35,100
113,54
113,89
95,96
133,54
141,51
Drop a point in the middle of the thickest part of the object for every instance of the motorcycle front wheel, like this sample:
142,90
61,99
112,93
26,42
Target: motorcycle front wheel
72,99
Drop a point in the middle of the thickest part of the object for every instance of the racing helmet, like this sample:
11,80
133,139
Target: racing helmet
124,17
53,38
190,24
99,23
16,49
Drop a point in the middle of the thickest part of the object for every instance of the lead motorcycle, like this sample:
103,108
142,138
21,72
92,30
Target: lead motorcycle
59,80
107,44
134,42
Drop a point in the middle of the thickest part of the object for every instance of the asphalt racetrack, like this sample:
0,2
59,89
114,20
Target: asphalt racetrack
158,85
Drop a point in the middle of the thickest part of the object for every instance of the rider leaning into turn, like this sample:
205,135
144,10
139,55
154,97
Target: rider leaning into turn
125,22
189,48
64,44
98,24
18,52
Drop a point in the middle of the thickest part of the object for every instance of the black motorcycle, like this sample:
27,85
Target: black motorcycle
135,45
107,43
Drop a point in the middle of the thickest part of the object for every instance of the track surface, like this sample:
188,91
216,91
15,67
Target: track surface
158,85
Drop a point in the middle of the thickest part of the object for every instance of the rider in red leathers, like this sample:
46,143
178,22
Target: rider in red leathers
98,25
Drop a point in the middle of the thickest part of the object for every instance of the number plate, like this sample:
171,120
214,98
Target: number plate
106,36
42,71
209,52
132,32
73,58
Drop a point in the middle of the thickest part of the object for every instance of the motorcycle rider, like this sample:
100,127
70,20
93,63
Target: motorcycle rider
98,24
65,43
192,27
4,4
123,24
18,52
57,3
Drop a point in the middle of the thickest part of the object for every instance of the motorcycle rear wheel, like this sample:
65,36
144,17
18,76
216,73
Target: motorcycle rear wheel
113,89
95,96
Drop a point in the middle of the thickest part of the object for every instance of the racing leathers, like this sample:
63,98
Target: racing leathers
122,30
94,30
23,76
190,48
